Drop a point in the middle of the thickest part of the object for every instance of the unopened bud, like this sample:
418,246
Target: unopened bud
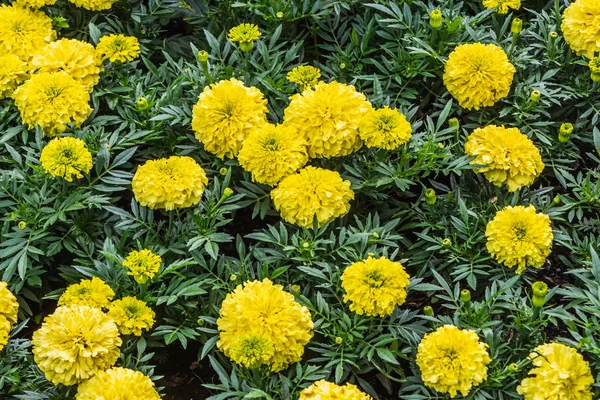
446,242
539,289
430,197
306,245
465,295
296,288
342,65
514,367
454,123
564,132
203,56
553,35
227,193
556,200
223,171
516,26
339,340
535,96
142,104
22,225
428,311
435,19
200,321
233,278
279,15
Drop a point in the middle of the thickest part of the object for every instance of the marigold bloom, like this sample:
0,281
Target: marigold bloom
34,3
385,128
119,48
510,157
226,113
580,27
264,309
559,372
75,343
88,292
94,5
329,117
131,315
452,360
502,6
117,383
24,31
305,76
142,265
245,35
478,75
9,307
273,152
517,236
312,191
323,390
375,286
66,157
13,71
52,100
252,351
169,183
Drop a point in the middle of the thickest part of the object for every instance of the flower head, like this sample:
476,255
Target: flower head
273,152
142,265
502,6
517,236
305,76
9,308
75,343
263,309
169,183
66,157
559,372
509,157
13,71
478,75
252,351
328,116
24,31
52,100
323,390
88,292
119,48
375,286
452,360
312,191
34,3
245,35
385,128
580,27
94,5
131,315
117,384
226,113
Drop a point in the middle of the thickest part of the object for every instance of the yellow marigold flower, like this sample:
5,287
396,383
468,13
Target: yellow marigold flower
517,236
75,343
375,286
142,265
78,58
510,157
385,128
252,351
580,27
117,383
119,48
131,315
559,372
323,390
245,35
264,309
9,307
502,6
34,3
169,183
13,71
88,292
305,76
312,191
273,152
328,116
23,31
478,75
52,100
66,157
452,360
94,5
226,113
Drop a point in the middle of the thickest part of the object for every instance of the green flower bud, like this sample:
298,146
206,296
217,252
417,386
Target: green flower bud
556,200
201,321
142,104
553,35
516,26
306,245
428,311
246,46
227,193
22,225
296,288
514,367
446,242
203,56
279,15
223,171
454,123
539,289
465,295
375,235
435,19
342,65
233,278
564,132
339,340
535,96
430,197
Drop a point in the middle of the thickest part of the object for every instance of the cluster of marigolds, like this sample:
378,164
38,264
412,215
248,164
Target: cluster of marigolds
260,324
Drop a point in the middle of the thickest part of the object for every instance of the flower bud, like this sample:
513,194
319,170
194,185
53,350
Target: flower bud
556,200
342,65
553,35
539,289
465,295
223,171
246,46
430,197
564,132
446,242
514,367
233,278
516,26
339,340
535,96
435,19
279,15
201,321
428,311
203,56
296,288
375,235
454,123
142,104
22,225
306,245
227,193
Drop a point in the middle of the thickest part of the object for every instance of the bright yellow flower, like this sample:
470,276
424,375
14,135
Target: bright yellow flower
13,71
452,360
478,75
264,309
52,100
66,157
94,5
9,307
323,390
169,183
5,328
375,286
502,6
75,343
510,157
328,116
273,152
312,191
88,292
142,265
24,31
245,35
119,48
580,27
305,76
559,372
252,351
117,384
517,236
226,113
385,128
131,315
78,58
34,3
